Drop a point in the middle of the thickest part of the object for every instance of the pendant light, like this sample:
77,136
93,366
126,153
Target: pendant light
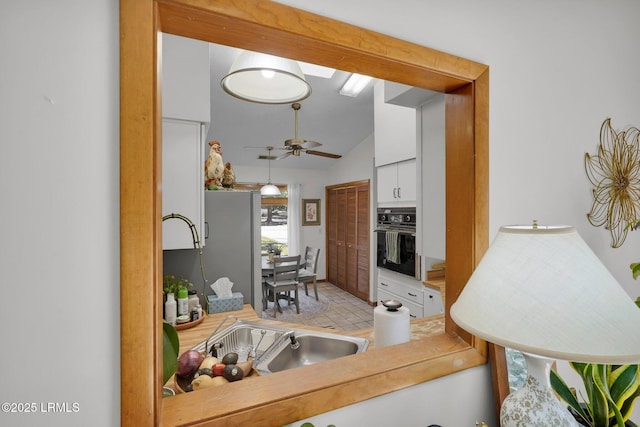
265,79
270,189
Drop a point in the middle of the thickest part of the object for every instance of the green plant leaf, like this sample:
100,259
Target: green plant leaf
635,269
597,391
564,392
625,387
170,349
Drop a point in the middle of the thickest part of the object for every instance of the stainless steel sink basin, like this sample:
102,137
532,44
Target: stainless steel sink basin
314,347
311,346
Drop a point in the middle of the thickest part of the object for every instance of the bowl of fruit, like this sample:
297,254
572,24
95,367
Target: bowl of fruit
196,371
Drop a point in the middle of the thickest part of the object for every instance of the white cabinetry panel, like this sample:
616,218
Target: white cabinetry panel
432,302
410,295
395,129
397,184
415,310
182,181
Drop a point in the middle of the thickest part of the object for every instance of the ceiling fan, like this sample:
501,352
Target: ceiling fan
295,146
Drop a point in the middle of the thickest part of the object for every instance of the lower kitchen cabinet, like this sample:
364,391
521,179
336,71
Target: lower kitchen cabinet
420,300
432,302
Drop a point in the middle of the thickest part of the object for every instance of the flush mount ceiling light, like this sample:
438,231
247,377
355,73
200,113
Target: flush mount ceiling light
265,79
354,85
270,189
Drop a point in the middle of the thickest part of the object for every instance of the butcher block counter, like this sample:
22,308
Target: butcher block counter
284,397
420,328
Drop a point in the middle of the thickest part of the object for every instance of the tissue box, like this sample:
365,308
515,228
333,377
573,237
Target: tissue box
220,305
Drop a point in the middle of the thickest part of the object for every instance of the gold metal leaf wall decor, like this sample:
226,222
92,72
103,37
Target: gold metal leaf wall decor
615,174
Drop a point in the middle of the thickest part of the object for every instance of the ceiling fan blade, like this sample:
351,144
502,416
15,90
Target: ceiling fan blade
263,157
323,154
282,156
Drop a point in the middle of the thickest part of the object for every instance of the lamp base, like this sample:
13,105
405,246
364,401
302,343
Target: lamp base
535,404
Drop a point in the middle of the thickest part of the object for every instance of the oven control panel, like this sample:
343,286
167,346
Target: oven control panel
397,218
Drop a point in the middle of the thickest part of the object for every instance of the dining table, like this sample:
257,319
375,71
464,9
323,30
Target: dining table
267,266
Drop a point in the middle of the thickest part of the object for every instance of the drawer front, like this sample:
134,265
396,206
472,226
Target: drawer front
415,310
410,293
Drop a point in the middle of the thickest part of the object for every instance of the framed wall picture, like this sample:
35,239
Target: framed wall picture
310,211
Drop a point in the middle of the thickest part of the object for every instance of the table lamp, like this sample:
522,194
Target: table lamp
542,291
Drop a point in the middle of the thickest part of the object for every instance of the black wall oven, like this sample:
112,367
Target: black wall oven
396,241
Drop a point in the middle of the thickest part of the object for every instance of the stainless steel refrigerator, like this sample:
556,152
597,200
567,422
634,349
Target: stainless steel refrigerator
231,249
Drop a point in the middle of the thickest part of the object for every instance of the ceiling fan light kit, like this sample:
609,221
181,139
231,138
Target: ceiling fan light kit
265,79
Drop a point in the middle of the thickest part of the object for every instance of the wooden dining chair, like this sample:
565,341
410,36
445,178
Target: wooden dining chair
284,278
309,272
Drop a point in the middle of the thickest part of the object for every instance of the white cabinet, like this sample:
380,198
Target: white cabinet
397,183
182,181
186,113
396,132
432,302
186,79
411,296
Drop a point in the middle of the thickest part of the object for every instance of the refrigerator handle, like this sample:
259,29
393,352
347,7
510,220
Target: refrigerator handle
206,229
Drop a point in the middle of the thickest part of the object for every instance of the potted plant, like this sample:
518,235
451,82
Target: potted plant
610,389
171,284
610,393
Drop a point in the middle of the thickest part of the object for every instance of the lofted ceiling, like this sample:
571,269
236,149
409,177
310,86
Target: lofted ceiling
338,122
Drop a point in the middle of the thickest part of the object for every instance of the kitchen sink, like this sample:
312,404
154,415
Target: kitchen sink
300,348
285,348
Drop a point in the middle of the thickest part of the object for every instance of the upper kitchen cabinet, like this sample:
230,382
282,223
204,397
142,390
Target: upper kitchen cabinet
396,131
397,184
185,79
185,118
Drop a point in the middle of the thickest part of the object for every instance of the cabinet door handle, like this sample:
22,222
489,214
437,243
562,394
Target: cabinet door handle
412,315
430,296
206,229
394,193
383,284
411,295
398,192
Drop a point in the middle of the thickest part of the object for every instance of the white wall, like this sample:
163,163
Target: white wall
558,69
59,256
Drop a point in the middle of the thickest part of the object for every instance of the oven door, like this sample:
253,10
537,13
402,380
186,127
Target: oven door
396,251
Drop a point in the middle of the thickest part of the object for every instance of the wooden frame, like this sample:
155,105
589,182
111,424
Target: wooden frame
311,212
281,30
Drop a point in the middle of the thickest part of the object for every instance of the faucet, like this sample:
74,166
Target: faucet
294,343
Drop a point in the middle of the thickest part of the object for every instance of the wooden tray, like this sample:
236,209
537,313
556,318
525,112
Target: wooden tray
182,326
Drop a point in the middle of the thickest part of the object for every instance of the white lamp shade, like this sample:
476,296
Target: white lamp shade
270,190
543,291
266,79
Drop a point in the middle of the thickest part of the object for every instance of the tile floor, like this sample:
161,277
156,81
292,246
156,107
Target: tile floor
346,312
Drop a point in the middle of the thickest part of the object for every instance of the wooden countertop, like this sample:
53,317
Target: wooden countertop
287,396
420,328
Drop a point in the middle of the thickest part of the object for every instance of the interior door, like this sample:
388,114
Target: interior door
363,238
348,237
341,207
351,240
332,236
